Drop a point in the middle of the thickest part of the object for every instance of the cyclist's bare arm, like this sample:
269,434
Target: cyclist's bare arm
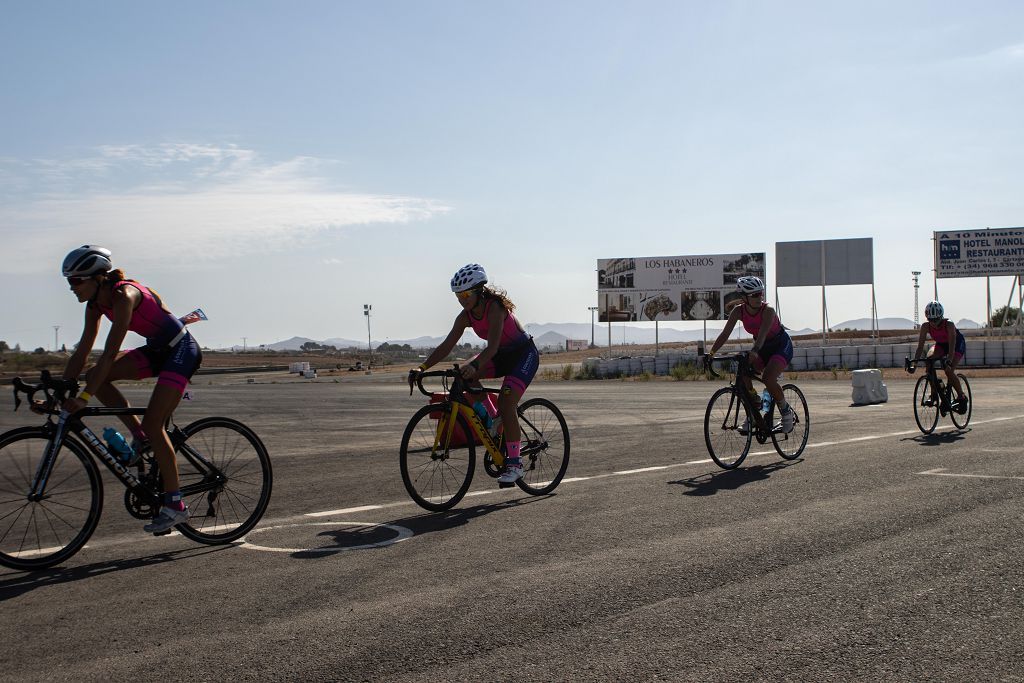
124,305
767,318
495,322
920,341
76,363
726,331
445,347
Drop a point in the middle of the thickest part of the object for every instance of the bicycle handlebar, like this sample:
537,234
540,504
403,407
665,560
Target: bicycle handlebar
454,373
742,358
911,365
55,390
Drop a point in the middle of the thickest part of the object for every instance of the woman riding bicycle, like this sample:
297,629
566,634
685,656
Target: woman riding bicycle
772,350
170,353
510,353
942,330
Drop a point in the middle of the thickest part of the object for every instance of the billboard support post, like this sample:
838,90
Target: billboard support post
988,303
655,337
608,318
874,314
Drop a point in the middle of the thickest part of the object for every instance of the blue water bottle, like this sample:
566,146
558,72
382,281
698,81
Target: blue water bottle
766,401
121,449
482,413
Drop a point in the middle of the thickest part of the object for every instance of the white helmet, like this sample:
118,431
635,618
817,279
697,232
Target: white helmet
468,277
933,311
87,260
749,284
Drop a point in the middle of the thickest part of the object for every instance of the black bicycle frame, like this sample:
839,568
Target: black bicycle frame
212,477
744,369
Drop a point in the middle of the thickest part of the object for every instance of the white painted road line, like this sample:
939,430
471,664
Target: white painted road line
344,511
644,469
941,472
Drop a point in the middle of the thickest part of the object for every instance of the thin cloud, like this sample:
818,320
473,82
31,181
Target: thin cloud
219,202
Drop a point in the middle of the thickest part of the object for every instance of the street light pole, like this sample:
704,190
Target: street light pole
369,344
56,345
592,309
916,273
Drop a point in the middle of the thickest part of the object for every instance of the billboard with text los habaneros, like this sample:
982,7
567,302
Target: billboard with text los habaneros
979,253
652,288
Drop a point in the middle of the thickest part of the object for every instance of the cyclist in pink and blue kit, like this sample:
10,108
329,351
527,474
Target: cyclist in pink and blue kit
510,353
773,348
170,354
946,335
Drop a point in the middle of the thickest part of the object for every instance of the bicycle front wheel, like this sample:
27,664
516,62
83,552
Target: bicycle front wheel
545,446
225,479
45,532
926,406
437,457
961,420
724,421
791,445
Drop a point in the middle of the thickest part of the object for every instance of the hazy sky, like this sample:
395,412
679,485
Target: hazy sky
281,164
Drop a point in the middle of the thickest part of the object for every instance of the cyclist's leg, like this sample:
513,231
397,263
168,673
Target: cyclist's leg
181,363
951,378
128,365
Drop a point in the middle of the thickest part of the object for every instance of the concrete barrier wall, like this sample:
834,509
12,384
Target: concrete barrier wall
980,353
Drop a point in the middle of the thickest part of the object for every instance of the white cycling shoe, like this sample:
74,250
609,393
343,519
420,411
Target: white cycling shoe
511,475
788,420
166,520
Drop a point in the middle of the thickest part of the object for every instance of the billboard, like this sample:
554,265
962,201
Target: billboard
979,253
671,287
824,262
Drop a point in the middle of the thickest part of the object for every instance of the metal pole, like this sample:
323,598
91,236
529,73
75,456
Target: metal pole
243,344
824,317
655,337
988,303
874,314
917,306
56,344
608,322
369,343
592,309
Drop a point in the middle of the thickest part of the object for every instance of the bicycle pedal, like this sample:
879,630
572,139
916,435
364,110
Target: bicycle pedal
506,484
165,532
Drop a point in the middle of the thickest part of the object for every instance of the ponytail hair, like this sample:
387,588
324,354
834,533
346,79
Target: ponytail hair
490,292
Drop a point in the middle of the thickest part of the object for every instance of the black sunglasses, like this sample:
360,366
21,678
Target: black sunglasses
75,281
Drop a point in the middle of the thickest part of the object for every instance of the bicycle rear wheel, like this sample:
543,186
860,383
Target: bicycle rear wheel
927,416
436,460
545,446
962,420
791,445
725,415
225,479
39,534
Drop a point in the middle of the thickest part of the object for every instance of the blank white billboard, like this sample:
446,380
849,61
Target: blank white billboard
846,262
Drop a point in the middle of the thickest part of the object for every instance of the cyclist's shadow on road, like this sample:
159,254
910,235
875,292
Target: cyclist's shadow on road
380,534
24,582
711,483
938,438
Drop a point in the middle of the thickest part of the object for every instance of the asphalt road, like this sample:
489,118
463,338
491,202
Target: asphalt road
881,554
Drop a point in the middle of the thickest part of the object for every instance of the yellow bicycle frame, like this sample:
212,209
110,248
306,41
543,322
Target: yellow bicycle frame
446,427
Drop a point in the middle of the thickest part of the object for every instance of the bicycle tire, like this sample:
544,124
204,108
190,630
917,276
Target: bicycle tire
234,507
925,416
545,446
436,478
722,427
966,417
784,443
62,522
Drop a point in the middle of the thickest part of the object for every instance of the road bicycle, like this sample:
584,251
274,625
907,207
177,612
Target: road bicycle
51,493
932,397
734,417
438,452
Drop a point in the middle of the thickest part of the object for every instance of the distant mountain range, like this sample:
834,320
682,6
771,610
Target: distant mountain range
554,335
